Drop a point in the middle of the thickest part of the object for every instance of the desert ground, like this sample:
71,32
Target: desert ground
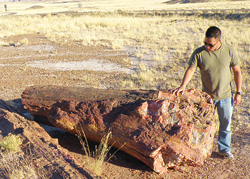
136,45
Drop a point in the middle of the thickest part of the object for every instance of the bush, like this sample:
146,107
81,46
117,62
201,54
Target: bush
11,143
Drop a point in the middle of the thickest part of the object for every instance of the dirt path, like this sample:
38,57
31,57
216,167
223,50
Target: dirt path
42,62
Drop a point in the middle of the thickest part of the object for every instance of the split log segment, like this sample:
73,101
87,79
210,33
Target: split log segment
159,128
38,149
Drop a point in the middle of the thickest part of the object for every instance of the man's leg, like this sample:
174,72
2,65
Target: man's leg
225,110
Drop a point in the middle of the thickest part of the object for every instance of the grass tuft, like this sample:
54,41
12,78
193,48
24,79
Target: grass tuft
11,143
100,154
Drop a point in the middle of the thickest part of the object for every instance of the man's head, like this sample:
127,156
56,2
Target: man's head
212,39
213,32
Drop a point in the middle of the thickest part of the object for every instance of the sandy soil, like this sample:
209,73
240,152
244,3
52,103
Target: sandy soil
42,62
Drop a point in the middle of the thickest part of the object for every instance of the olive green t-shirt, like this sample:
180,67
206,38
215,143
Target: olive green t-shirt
215,70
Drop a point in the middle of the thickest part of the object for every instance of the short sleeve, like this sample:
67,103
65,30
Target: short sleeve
193,60
234,57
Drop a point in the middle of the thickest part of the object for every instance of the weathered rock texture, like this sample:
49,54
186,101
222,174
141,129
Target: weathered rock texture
159,128
39,151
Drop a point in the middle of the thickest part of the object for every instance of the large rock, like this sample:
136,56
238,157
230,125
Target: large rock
159,128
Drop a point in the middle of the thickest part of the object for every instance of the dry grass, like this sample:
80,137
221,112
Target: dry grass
14,165
24,8
101,154
162,37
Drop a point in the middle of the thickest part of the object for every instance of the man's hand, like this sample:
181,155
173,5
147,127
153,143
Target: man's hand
237,99
187,77
179,90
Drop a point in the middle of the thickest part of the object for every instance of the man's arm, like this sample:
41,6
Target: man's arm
187,77
238,82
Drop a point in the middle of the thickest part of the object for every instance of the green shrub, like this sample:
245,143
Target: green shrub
11,143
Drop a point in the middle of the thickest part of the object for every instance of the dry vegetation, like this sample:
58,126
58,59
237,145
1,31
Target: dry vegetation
163,38
100,154
13,163
158,37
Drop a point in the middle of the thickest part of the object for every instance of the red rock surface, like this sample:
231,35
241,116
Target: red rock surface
38,150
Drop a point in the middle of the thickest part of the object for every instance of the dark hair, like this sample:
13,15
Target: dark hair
213,32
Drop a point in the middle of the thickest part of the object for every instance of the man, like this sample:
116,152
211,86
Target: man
215,61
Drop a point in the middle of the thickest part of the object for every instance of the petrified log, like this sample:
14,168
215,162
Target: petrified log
159,128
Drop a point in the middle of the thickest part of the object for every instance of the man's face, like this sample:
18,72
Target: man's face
212,44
